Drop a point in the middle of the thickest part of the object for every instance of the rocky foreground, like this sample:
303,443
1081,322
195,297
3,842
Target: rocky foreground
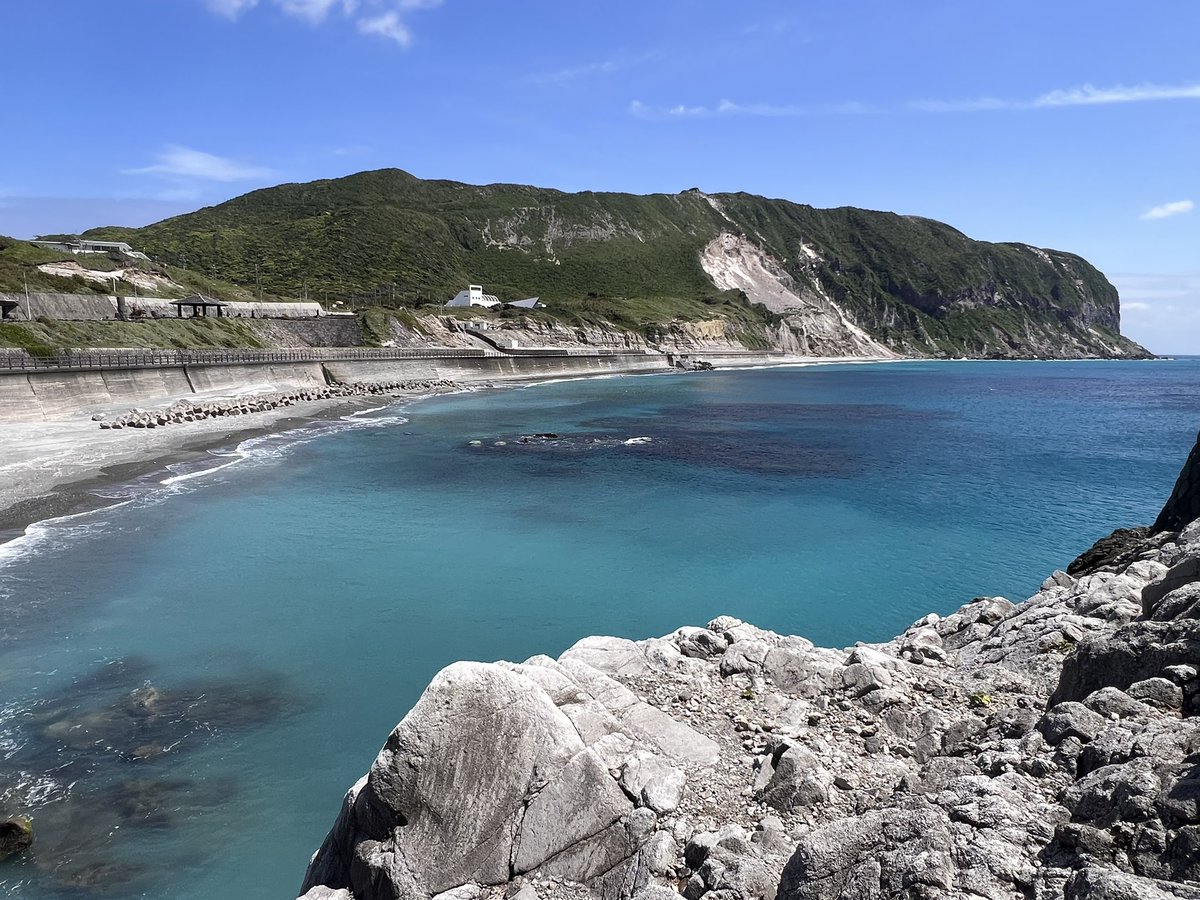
1043,750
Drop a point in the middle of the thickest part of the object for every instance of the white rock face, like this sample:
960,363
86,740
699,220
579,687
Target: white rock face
819,325
503,770
1041,750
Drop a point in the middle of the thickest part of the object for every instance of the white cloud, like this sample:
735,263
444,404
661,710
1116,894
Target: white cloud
231,9
596,68
976,105
1087,95
761,110
184,162
386,25
686,111
315,11
724,108
1161,312
1091,96
379,18
1174,208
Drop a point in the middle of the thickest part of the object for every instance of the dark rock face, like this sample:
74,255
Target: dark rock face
16,835
1184,504
1109,551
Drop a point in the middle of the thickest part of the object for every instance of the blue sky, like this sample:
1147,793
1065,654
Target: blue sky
1073,125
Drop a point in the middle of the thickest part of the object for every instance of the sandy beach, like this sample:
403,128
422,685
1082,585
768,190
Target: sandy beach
50,469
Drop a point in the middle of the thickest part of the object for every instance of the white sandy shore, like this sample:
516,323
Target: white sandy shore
39,458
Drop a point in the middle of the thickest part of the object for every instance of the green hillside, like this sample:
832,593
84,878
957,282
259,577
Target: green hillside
21,268
916,285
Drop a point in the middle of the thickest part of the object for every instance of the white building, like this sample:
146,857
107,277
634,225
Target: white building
474,296
82,245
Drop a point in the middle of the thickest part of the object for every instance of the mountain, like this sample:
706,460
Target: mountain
837,280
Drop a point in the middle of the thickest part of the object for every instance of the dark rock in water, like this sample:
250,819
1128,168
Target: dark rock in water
16,835
79,834
149,721
1108,551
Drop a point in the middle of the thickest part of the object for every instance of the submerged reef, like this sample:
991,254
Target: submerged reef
96,760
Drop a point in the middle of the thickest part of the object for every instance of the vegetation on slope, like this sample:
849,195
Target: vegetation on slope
919,285
46,336
20,261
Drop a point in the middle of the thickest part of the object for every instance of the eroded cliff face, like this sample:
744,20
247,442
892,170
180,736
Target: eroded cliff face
813,324
1042,750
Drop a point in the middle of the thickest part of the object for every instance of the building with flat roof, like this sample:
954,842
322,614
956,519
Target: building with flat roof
474,296
82,245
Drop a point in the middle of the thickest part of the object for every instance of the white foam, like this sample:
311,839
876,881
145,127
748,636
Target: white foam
39,534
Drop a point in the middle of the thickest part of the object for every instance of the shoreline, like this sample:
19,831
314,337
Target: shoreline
57,469
63,469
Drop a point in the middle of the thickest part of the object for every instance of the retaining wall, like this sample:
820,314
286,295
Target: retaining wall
76,307
491,368
98,307
47,396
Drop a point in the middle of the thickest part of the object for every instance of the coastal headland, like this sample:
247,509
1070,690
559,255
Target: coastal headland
1045,749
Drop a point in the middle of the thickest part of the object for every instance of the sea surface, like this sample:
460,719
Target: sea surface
193,677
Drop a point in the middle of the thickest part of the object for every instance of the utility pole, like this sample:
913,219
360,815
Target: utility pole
28,299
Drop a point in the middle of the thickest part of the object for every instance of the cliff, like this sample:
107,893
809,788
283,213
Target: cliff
825,282
1041,750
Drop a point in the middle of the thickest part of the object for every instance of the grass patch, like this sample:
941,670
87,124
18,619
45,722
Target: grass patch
47,336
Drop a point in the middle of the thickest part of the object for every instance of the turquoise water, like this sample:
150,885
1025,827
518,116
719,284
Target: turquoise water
289,608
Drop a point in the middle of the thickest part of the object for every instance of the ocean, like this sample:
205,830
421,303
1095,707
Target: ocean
196,674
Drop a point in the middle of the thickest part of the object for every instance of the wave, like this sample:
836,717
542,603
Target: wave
46,534
185,477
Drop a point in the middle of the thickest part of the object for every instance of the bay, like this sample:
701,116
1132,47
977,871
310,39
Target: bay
193,678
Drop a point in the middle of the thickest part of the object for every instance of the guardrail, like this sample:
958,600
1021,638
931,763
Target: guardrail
165,359
160,359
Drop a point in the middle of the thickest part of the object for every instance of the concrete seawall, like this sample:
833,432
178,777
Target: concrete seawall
50,396
493,368
55,395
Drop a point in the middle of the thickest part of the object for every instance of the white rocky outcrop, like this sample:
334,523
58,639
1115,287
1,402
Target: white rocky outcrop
1047,749
818,325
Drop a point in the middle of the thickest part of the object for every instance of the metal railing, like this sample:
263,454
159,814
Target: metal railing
159,359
